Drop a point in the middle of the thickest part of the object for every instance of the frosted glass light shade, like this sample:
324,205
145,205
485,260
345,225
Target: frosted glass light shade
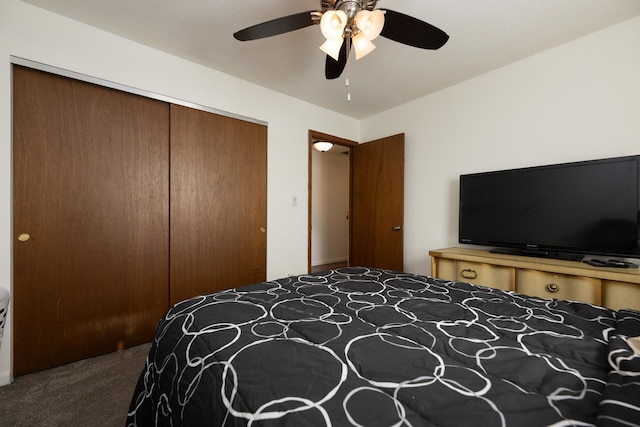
332,47
362,45
323,146
332,24
370,23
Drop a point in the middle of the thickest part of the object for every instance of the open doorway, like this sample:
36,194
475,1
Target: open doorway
329,203
376,201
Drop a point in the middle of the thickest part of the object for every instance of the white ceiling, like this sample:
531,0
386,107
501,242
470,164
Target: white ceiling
484,35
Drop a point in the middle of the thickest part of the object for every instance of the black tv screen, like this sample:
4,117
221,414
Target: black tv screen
560,211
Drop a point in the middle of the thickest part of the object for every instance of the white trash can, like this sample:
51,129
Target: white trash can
5,296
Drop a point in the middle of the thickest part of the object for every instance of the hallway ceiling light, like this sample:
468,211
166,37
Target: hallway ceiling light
322,146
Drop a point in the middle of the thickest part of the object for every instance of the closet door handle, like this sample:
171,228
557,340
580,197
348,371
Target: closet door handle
24,237
397,228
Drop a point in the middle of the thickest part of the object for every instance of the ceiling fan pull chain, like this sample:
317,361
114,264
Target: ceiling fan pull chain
348,41
348,90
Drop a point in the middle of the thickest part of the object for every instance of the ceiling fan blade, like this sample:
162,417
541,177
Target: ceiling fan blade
276,26
411,31
333,68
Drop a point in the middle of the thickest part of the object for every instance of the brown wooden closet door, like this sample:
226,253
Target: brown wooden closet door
218,202
90,188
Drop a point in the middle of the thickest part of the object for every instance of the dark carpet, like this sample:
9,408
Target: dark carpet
91,392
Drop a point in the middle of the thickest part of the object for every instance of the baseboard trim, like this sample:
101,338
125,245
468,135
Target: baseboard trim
327,261
5,378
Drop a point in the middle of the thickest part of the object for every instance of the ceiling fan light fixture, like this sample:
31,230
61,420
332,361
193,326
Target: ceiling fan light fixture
332,24
322,146
351,23
370,23
332,47
362,45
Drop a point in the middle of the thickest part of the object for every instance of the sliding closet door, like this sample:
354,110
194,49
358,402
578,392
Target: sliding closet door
218,202
90,219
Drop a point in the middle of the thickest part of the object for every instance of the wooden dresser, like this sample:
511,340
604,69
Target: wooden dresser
614,288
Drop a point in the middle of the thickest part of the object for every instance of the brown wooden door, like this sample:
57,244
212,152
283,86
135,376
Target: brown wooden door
377,211
91,190
218,202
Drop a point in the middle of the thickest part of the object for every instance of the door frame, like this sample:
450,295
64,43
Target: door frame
315,136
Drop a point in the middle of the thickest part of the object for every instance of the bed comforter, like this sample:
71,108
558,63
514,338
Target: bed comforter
369,347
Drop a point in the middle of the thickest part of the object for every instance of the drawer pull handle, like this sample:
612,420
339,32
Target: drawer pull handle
468,273
552,287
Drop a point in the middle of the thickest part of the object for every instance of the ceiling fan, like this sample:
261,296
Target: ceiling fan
347,23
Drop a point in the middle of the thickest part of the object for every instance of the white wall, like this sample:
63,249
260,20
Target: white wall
330,207
37,35
578,101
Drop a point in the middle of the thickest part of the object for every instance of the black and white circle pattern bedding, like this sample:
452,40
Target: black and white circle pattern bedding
370,347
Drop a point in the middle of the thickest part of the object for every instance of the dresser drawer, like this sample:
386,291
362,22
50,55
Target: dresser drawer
493,276
444,268
559,286
617,295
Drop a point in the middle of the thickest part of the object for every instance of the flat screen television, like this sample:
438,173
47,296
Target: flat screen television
561,211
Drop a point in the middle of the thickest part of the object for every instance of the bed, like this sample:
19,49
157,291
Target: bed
371,347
